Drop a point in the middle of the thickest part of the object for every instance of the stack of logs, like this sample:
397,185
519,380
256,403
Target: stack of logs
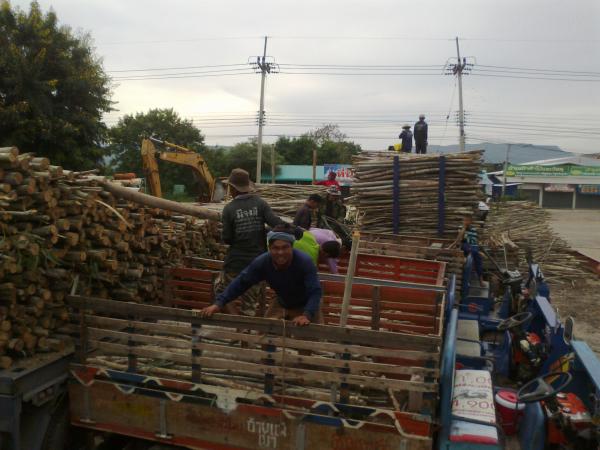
514,228
56,224
373,191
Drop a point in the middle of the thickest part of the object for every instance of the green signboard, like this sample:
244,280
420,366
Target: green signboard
552,171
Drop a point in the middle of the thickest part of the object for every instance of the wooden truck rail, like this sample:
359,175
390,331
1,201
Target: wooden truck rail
238,382
374,304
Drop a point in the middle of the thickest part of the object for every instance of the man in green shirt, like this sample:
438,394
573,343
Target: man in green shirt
316,243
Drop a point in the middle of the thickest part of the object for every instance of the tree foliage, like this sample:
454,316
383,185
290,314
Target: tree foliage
329,141
165,124
53,89
242,155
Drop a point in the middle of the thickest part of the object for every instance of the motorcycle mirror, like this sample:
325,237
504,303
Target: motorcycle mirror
568,332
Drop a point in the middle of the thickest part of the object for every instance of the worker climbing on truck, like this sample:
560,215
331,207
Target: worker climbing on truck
320,244
289,272
244,231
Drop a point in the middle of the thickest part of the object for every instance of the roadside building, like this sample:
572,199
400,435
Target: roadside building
569,182
303,174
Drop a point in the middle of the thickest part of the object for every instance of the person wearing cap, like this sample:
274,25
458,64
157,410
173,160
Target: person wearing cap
330,181
289,272
420,132
406,137
244,220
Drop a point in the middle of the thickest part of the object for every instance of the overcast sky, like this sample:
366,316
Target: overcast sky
545,34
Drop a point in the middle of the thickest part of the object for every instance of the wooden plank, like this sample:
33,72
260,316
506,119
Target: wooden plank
417,319
375,311
262,339
395,306
247,354
195,295
274,326
207,286
192,304
196,274
387,293
385,326
213,264
259,369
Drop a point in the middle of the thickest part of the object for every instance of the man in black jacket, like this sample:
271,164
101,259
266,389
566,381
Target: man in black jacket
244,231
420,133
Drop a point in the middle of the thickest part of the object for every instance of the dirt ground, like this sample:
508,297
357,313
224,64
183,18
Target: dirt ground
581,229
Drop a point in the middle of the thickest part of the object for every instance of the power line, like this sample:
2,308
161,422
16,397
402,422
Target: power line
475,74
530,69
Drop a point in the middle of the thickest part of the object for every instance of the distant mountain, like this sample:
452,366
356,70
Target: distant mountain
519,153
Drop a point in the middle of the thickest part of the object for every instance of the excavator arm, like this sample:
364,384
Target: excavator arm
151,167
211,188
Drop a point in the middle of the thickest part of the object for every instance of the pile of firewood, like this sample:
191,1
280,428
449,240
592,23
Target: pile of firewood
373,191
57,224
515,228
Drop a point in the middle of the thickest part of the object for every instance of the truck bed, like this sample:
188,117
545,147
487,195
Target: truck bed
165,374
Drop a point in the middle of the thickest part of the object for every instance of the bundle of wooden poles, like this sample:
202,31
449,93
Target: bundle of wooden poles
57,224
286,199
418,191
515,228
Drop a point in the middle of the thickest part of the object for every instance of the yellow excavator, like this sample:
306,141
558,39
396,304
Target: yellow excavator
211,189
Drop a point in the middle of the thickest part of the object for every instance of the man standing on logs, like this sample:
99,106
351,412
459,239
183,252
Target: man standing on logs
244,221
406,137
289,272
420,131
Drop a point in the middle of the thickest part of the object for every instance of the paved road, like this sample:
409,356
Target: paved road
580,228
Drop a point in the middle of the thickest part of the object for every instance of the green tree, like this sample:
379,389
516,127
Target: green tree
242,155
165,124
331,144
53,89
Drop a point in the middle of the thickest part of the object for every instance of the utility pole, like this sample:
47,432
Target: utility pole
461,112
461,67
314,164
264,68
508,146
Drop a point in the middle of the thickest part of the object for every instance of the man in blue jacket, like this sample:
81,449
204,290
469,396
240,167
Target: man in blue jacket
290,273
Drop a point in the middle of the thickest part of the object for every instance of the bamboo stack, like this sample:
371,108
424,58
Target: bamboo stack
286,199
56,224
372,191
514,228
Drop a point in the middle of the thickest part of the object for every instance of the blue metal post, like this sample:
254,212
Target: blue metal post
441,197
396,196
447,374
